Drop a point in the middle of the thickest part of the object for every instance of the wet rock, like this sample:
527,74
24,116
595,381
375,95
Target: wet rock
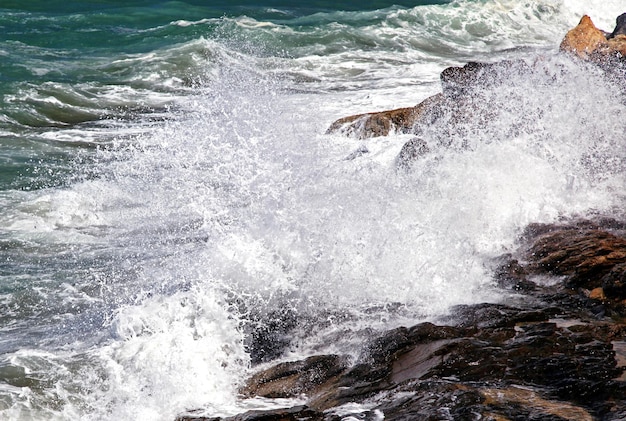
191,416
411,151
492,362
296,413
268,335
431,400
376,124
513,401
510,274
614,282
291,379
494,344
585,256
489,315
572,365
589,257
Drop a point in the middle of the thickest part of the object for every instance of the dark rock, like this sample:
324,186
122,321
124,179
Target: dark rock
510,274
481,316
620,26
268,335
614,282
432,400
457,82
297,413
572,365
498,362
411,151
191,417
524,404
590,258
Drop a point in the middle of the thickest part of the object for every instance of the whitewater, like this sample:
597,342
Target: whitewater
170,210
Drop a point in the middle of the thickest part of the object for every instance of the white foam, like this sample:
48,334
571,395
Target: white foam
602,12
186,23
186,343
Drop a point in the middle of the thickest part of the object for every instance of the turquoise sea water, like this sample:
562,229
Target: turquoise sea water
167,187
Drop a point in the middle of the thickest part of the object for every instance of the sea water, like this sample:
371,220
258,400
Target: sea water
167,189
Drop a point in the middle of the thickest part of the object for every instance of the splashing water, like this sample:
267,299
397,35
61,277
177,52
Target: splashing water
145,279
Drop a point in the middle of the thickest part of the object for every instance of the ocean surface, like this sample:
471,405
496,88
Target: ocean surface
167,189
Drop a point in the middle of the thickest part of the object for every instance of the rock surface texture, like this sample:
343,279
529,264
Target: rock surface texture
557,353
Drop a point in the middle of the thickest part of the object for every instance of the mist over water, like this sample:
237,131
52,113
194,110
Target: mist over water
181,197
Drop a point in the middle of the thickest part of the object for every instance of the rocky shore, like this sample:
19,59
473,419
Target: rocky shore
557,351
558,354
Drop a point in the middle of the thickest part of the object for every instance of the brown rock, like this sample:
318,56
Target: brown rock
584,39
597,294
376,124
585,256
459,85
291,379
588,42
402,120
618,45
506,398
